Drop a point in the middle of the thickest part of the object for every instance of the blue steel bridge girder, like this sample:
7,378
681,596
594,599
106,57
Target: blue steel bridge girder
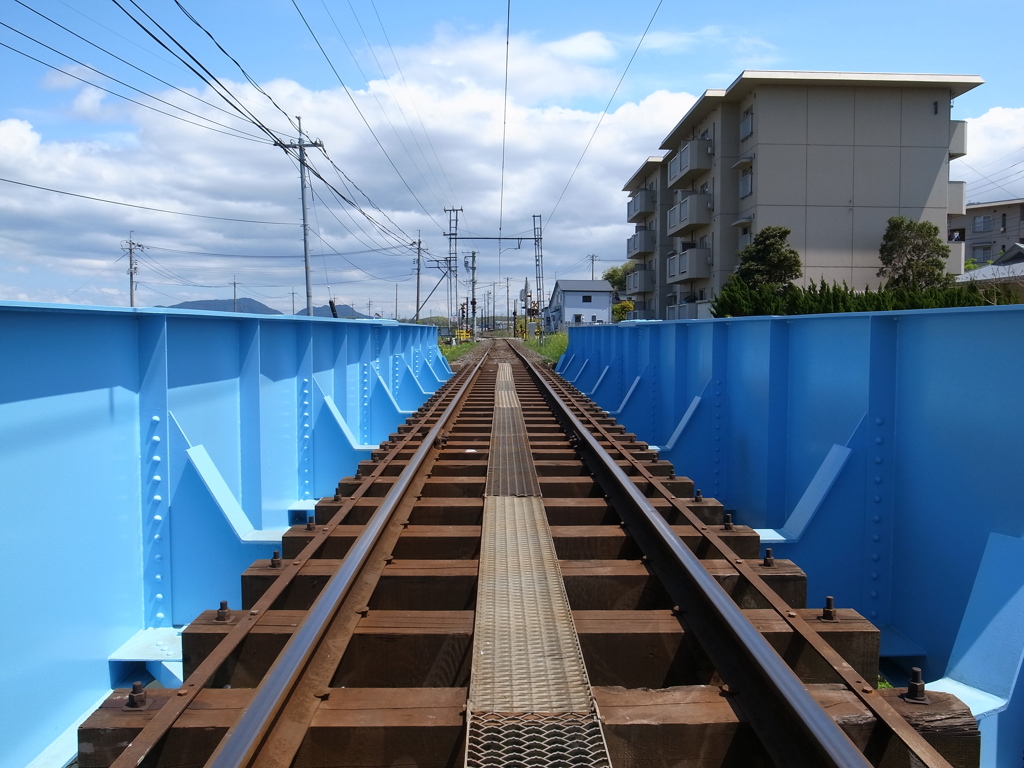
174,447
880,450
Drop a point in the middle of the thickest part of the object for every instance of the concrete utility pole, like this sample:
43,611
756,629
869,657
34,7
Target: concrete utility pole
301,146
472,303
593,257
133,266
234,293
419,267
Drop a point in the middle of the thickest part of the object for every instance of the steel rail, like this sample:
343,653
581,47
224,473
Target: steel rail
165,718
244,739
714,616
862,689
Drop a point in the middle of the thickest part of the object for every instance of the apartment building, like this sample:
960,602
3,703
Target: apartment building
990,231
830,155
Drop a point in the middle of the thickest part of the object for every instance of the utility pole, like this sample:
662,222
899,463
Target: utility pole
419,267
293,301
301,146
396,301
593,257
508,313
133,265
472,283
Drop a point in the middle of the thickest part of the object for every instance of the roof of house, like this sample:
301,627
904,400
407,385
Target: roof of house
750,79
636,181
994,273
597,286
995,204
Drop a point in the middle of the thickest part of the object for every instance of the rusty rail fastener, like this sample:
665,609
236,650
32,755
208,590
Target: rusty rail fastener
223,614
275,560
915,688
311,524
727,525
828,613
137,697
769,561
697,495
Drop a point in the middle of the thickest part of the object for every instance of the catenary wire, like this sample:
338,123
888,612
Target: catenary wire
412,100
602,116
126,62
149,208
228,130
361,115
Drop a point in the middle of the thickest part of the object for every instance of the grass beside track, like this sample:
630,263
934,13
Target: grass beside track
550,347
453,353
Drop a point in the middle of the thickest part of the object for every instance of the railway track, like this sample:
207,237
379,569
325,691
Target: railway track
513,579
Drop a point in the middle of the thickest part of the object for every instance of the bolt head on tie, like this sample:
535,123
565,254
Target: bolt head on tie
915,688
728,521
223,614
697,495
137,697
769,561
275,561
828,613
311,524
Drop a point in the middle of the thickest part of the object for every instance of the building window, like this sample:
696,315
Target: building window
982,223
706,135
1002,224
746,182
981,253
671,266
587,299
705,188
747,123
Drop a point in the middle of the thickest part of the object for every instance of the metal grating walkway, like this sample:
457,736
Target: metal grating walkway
530,702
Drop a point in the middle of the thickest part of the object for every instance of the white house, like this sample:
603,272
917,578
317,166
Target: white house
579,301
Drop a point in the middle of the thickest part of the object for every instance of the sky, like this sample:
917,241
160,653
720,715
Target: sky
416,112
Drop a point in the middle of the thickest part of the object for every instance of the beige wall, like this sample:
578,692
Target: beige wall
831,162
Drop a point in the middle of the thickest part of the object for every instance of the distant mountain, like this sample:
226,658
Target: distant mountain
253,307
248,306
345,312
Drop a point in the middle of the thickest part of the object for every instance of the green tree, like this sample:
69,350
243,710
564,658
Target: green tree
769,260
913,255
619,310
617,276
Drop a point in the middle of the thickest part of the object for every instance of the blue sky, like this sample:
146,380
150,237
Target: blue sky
445,142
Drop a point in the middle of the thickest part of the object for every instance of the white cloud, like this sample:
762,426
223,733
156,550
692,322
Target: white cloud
587,46
58,247
994,165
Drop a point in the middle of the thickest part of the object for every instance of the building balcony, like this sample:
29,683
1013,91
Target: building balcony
640,244
955,262
685,311
639,206
691,264
640,281
957,138
692,159
695,211
956,199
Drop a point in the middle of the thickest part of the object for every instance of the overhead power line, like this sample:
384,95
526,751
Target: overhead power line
361,115
229,131
149,208
604,113
125,61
